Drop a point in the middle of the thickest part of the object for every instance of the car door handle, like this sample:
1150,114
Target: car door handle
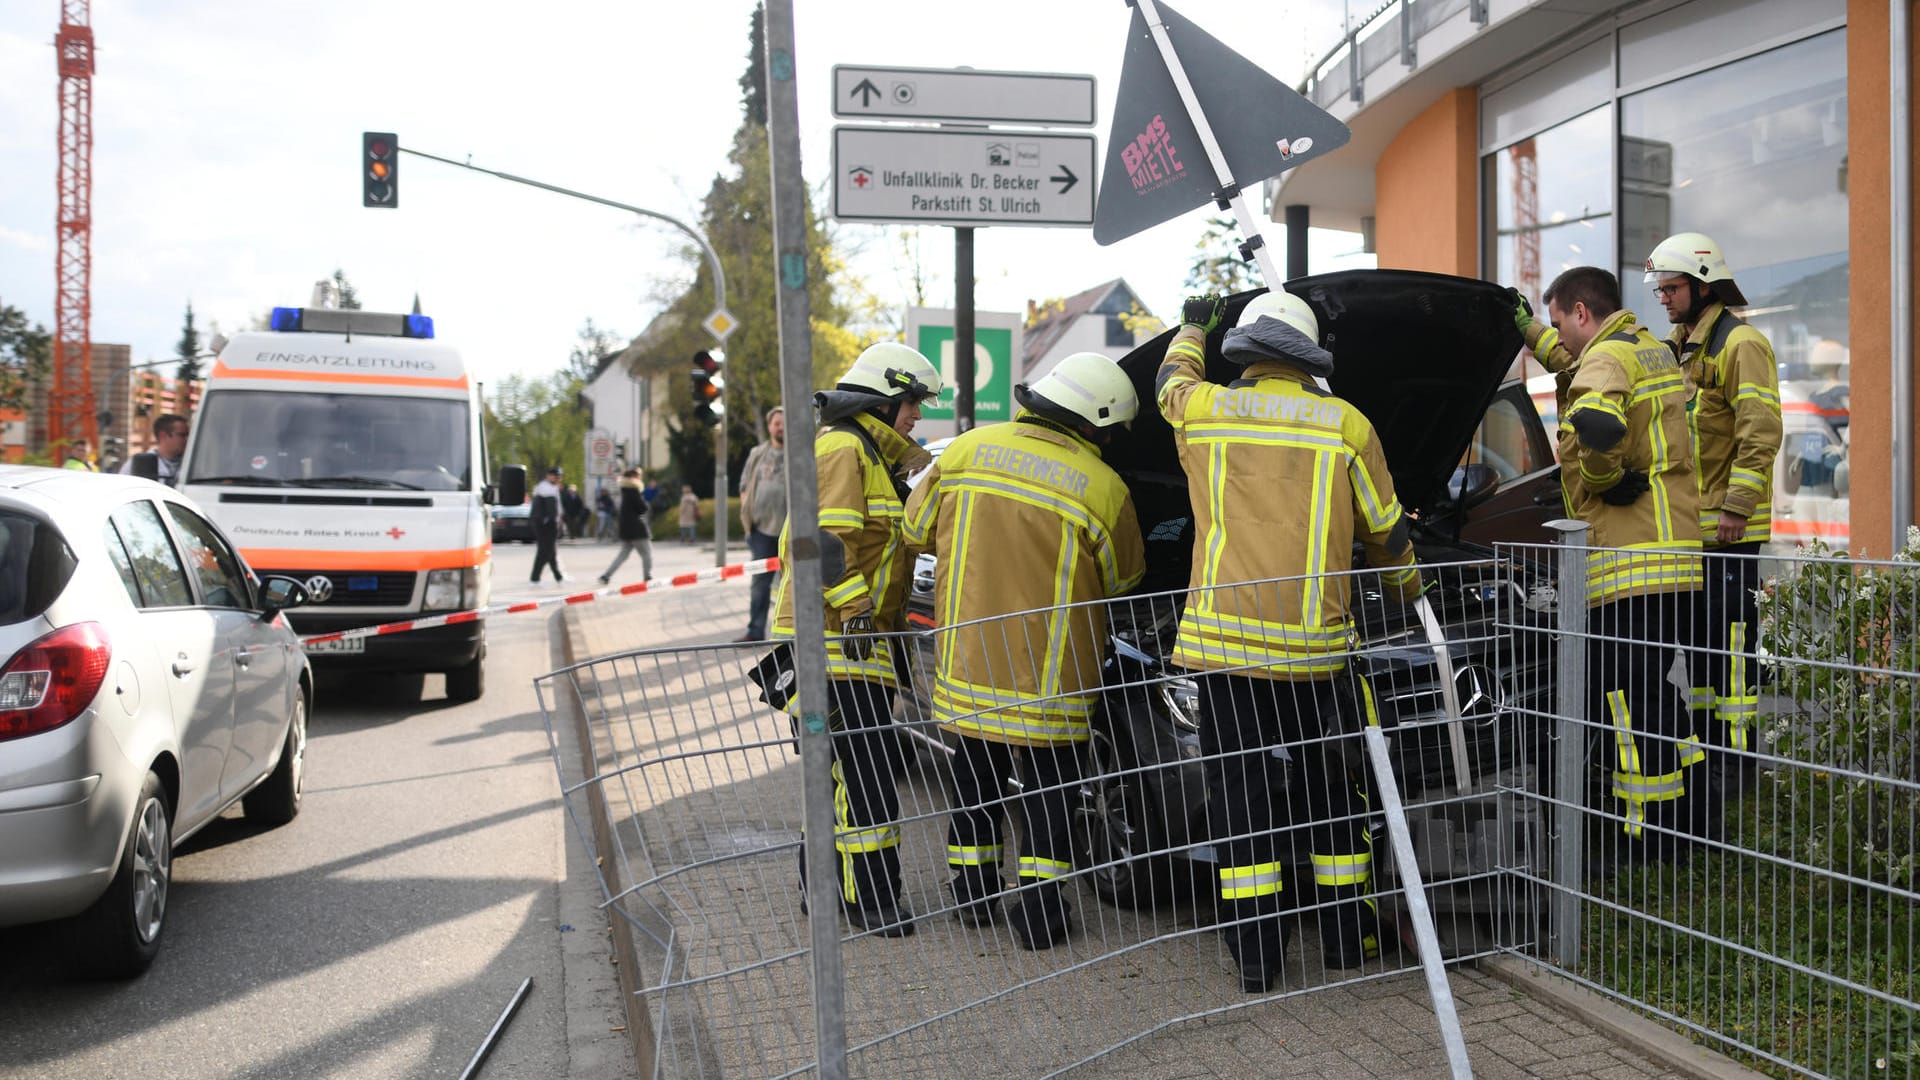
1547,497
182,668
245,660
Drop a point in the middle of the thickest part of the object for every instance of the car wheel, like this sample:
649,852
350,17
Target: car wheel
467,683
119,936
1120,825
277,800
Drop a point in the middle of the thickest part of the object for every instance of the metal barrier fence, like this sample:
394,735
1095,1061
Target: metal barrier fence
703,791
1733,802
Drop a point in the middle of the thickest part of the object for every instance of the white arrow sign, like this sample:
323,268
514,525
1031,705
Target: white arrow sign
935,94
959,177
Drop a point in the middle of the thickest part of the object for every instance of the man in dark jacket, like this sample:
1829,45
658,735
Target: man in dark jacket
634,534
544,515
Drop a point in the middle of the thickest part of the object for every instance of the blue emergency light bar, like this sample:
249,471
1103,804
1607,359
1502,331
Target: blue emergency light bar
290,320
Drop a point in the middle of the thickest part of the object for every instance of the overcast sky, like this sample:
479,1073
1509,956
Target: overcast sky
226,136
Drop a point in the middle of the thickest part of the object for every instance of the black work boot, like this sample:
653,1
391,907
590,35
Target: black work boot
890,920
1349,935
1038,921
976,896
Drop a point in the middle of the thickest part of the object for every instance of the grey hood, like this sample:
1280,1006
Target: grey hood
1270,339
837,405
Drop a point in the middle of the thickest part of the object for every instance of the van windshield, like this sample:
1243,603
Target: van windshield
323,440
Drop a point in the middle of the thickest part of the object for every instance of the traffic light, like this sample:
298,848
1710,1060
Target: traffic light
709,405
379,169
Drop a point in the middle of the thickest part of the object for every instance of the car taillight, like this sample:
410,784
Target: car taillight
53,680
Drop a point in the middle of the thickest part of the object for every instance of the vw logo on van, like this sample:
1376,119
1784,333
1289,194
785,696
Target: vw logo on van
319,589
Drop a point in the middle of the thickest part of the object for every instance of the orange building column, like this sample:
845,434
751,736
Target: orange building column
1426,190
1870,255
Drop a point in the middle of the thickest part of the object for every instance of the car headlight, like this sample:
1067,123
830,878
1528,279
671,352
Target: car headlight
1181,696
450,590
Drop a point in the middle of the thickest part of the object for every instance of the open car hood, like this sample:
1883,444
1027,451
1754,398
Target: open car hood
1420,354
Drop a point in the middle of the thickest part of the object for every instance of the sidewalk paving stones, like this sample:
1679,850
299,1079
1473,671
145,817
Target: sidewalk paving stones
730,916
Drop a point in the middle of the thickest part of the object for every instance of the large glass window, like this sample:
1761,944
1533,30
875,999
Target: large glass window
1754,154
1550,202
159,580
331,440
222,582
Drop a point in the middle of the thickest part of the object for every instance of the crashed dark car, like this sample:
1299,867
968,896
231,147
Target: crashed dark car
1424,356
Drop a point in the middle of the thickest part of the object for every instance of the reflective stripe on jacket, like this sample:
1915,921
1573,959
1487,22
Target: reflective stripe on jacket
1627,374
858,504
1024,517
1735,417
1284,477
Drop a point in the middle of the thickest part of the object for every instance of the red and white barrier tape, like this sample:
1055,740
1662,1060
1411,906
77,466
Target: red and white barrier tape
678,581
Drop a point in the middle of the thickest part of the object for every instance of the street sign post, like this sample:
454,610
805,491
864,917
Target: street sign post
961,177
934,95
601,461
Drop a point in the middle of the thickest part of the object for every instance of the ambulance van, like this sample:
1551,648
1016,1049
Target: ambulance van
344,449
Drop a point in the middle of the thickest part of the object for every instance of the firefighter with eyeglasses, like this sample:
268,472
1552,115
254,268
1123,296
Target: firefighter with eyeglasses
1285,477
1626,469
1735,419
863,452
1032,531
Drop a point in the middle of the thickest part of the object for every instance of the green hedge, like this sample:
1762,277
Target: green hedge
666,523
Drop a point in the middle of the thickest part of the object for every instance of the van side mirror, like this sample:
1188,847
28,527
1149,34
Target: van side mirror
490,494
146,466
513,485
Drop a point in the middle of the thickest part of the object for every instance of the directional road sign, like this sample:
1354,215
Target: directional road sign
948,176
935,94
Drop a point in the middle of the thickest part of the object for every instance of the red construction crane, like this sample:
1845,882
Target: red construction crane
70,412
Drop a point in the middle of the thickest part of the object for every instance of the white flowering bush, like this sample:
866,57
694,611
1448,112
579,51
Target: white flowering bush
1843,644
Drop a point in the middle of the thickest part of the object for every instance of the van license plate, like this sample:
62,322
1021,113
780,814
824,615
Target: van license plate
344,645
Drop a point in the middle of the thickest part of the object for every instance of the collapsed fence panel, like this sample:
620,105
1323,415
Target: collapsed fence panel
1745,788
1107,810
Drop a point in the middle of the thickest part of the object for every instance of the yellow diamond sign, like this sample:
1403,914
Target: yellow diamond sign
720,323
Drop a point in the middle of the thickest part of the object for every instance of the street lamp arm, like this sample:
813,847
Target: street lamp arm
713,260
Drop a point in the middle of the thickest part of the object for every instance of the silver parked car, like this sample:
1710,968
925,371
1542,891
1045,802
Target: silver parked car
149,683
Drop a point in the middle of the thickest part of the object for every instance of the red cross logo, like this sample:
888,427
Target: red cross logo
396,532
862,176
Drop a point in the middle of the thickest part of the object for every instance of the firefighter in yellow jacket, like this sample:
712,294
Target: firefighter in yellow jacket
1284,478
1626,469
1032,531
1735,416
862,452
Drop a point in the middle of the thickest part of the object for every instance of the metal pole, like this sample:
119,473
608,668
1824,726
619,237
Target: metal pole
1425,936
493,1036
1249,227
719,304
1570,742
1900,286
963,328
803,554
1298,218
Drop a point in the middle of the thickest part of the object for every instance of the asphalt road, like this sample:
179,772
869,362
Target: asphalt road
378,935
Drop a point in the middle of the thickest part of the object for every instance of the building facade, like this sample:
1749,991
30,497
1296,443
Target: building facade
1513,140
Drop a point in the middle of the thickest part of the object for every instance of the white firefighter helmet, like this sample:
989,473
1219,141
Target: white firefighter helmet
1283,305
1697,256
893,370
1088,385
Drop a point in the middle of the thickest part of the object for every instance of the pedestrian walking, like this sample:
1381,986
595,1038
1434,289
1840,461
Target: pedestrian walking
604,511
573,510
1626,469
655,499
1026,518
1268,623
544,516
763,513
689,513
170,433
862,451
1737,430
634,534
